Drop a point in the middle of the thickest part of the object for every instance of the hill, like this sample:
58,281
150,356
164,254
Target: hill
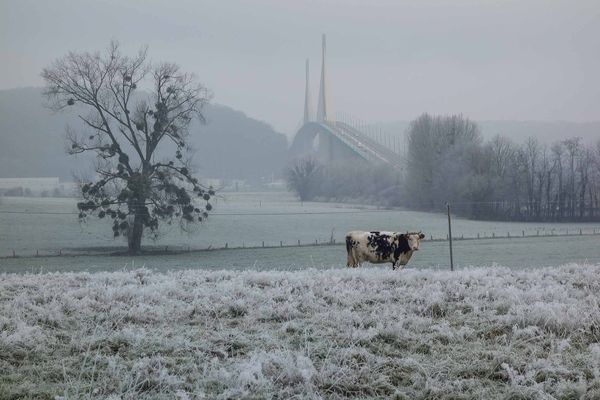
230,145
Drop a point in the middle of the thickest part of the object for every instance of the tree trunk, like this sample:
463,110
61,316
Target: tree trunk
134,236
549,208
583,182
561,194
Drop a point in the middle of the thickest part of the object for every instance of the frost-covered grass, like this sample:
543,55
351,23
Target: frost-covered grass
366,333
239,220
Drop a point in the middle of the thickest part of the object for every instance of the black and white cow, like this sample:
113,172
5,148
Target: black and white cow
381,247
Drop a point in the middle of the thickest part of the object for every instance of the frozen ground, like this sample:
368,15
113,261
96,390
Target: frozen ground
273,218
249,219
367,333
517,253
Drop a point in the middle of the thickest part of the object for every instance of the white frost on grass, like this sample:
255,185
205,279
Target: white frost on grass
368,333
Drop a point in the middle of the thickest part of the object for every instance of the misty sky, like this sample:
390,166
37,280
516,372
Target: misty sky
388,60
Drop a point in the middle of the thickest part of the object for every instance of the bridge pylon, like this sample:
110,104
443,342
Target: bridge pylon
324,111
307,100
331,141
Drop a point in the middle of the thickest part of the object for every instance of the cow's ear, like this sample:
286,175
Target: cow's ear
421,235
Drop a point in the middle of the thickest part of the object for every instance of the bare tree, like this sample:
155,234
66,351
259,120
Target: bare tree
501,149
135,120
584,165
422,155
438,156
502,154
573,147
545,182
557,152
595,181
530,159
303,176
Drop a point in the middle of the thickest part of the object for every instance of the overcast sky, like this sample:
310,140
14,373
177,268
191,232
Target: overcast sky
387,60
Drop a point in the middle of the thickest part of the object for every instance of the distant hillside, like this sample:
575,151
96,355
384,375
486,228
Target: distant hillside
230,145
32,140
519,131
545,131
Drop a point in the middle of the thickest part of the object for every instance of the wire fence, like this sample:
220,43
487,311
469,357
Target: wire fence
233,213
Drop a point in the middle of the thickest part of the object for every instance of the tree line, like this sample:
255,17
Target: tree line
343,182
449,162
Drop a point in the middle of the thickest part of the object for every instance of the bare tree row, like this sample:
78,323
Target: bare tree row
499,179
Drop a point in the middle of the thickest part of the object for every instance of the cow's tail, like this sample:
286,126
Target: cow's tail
351,262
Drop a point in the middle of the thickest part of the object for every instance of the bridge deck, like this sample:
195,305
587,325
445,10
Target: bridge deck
365,146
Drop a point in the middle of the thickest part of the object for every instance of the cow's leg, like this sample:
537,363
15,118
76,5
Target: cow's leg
351,259
356,259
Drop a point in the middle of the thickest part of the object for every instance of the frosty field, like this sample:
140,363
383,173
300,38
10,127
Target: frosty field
367,333
48,225
293,322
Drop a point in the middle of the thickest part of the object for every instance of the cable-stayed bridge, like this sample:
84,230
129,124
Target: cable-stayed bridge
330,140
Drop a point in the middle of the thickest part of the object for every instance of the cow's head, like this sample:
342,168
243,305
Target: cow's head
414,239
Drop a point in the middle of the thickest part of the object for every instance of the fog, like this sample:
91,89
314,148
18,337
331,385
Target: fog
388,60
176,221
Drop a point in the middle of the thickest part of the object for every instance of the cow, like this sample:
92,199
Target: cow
381,247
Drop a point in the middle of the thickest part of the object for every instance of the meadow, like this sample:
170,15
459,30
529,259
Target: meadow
519,319
48,226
